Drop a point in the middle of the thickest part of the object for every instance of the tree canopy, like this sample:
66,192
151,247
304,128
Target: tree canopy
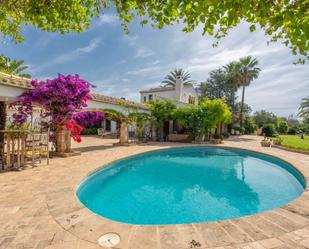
218,86
283,20
52,15
264,117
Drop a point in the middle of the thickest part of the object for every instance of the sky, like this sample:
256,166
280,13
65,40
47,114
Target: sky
121,65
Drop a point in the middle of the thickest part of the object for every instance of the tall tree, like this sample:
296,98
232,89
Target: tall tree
218,86
248,71
11,66
264,117
304,109
170,79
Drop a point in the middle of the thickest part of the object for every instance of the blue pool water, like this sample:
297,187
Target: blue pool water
187,185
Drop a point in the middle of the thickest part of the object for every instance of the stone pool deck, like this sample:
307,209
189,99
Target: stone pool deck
38,209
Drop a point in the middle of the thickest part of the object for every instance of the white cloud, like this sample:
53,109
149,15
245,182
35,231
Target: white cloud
130,39
91,46
107,19
143,53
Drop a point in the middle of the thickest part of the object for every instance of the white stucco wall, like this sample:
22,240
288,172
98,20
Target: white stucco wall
172,94
167,94
10,91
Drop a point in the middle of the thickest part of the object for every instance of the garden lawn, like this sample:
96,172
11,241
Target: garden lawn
295,142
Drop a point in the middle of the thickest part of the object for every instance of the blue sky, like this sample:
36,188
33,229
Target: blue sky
122,65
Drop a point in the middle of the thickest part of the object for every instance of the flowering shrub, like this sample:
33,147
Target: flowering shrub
75,129
59,99
89,119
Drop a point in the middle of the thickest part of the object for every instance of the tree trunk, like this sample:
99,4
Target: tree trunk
2,127
242,106
123,133
63,140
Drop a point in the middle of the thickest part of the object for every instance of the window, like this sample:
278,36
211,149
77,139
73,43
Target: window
191,100
145,99
150,97
107,125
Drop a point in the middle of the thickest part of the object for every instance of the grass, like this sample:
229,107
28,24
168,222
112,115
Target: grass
295,142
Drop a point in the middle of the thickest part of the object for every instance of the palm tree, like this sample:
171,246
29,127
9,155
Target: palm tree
232,71
247,72
170,79
11,66
304,108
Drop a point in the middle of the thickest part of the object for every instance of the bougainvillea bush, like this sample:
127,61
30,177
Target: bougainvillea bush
59,98
89,119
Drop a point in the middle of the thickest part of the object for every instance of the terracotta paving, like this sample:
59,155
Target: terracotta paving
39,209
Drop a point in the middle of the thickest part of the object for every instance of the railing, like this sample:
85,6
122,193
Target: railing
22,148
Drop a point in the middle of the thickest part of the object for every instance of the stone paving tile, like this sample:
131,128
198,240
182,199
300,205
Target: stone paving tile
144,237
170,238
250,229
214,235
39,209
238,235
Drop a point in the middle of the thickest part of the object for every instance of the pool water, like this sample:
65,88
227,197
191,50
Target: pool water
188,185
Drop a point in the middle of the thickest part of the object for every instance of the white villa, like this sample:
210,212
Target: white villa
13,86
180,93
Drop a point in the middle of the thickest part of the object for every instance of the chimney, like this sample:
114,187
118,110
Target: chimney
179,89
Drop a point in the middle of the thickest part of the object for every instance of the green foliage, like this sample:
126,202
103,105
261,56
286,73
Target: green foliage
170,79
246,70
161,111
218,85
140,119
264,117
304,128
269,130
51,16
249,125
15,67
114,115
295,142
90,131
286,21
293,130
283,127
304,109
246,109
191,118
205,118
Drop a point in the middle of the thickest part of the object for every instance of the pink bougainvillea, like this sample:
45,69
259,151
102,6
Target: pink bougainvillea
89,118
59,98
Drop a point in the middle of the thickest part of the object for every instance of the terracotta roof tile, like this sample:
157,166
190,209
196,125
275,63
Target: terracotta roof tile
12,80
117,101
16,81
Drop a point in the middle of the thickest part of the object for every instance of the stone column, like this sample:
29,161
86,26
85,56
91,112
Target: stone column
171,126
153,132
123,133
63,140
3,116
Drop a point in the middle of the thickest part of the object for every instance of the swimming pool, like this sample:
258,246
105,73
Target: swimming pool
189,185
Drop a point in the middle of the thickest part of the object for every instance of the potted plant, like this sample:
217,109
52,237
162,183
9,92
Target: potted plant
266,142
